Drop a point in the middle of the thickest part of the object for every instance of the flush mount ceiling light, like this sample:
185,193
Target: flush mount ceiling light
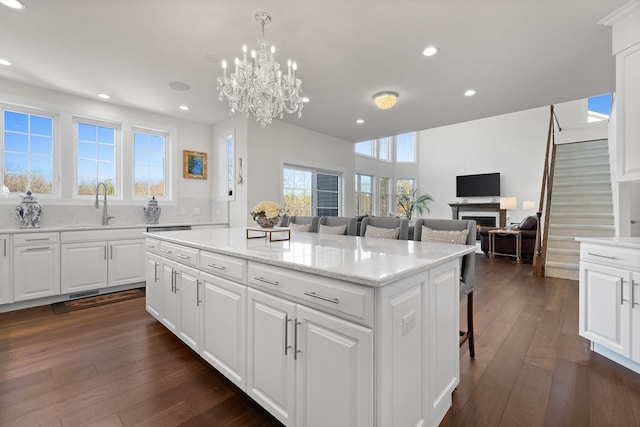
258,85
104,95
13,4
470,92
360,121
385,100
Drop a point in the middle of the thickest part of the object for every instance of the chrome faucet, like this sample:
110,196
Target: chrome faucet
105,215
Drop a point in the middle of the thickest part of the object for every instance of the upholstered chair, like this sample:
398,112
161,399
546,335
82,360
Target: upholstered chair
333,224
375,224
440,229
301,223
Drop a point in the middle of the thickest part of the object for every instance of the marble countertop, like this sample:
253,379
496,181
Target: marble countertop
625,242
366,261
85,227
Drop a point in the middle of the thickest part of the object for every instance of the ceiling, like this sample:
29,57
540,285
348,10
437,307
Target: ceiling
517,54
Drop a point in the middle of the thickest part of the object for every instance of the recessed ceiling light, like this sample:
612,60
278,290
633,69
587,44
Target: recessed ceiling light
179,86
360,121
13,4
430,51
385,100
470,92
104,95
4,61
183,107
305,99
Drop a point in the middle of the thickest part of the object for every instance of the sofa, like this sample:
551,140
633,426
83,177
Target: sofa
505,245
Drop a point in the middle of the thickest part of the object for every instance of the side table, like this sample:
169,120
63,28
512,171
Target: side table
505,232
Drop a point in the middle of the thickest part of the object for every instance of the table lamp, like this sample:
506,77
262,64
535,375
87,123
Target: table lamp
508,203
528,205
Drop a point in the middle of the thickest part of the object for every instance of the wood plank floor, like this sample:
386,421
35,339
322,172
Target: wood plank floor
115,365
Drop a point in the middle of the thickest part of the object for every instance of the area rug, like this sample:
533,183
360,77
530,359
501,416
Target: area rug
79,304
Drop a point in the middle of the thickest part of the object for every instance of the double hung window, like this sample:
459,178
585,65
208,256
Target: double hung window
96,157
310,192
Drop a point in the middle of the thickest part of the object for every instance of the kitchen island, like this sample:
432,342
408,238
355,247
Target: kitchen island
320,330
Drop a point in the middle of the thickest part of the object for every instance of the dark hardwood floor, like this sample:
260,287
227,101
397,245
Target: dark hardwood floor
115,365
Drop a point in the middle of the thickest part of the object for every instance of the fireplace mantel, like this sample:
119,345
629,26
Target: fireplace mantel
456,208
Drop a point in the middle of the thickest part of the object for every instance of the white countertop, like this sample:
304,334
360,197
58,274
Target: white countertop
367,261
626,242
84,227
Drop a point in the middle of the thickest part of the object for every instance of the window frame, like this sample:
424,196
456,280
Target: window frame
415,148
117,156
373,149
55,145
314,186
166,162
358,191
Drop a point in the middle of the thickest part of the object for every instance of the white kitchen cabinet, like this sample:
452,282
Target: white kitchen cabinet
100,259
153,293
306,367
180,301
224,327
628,114
6,285
609,306
36,265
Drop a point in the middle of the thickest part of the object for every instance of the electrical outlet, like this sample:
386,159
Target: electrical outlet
408,322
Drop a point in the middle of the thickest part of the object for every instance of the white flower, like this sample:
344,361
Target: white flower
266,209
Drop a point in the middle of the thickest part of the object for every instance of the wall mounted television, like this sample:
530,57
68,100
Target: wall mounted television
480,185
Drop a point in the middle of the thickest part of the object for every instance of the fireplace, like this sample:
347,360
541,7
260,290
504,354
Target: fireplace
481,221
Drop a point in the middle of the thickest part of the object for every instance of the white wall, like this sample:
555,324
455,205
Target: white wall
268,149
192,198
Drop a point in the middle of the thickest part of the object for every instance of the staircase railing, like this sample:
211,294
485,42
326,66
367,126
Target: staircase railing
540,253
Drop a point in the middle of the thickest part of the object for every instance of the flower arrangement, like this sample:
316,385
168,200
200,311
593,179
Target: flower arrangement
265,209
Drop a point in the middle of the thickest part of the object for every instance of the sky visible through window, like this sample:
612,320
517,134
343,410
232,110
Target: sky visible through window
600,104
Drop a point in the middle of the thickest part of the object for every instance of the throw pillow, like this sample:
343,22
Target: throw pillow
328,229
444,236
299,227
382,233
529,223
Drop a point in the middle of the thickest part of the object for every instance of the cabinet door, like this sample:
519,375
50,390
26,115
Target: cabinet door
126,262
83,266
188,292
170,313
628,113
635,318
270,355
605,307
153,292
6,287
225,327
36,272
334,371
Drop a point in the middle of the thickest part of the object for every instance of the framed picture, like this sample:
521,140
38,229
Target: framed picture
194,164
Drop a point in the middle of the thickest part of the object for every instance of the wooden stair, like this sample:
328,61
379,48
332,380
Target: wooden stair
581,204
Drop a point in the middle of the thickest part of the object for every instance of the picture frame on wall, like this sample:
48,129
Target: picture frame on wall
194,164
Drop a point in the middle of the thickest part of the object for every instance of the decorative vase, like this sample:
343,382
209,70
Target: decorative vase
152,211
265,222
29,211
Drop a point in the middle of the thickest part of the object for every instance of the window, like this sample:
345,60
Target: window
149,164
599,108
384,149
28,152
96,158
365,148
383,196
406,148
407,184
310,192
226,165
364,194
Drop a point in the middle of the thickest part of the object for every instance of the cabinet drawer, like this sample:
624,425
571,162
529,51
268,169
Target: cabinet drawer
610,255
341,297
179,253
222,265
152,245
24,239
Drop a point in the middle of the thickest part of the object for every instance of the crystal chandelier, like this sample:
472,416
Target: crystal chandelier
258,86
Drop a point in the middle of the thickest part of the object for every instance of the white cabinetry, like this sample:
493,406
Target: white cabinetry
628,113
36,265
610,301
100,259
153,293
6,285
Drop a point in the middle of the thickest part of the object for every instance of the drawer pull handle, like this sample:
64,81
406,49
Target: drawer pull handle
633,298
270,282
151,246
165,251
286,334
601,256
38,249
41,239
217,267
295,339
322,297
183,256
